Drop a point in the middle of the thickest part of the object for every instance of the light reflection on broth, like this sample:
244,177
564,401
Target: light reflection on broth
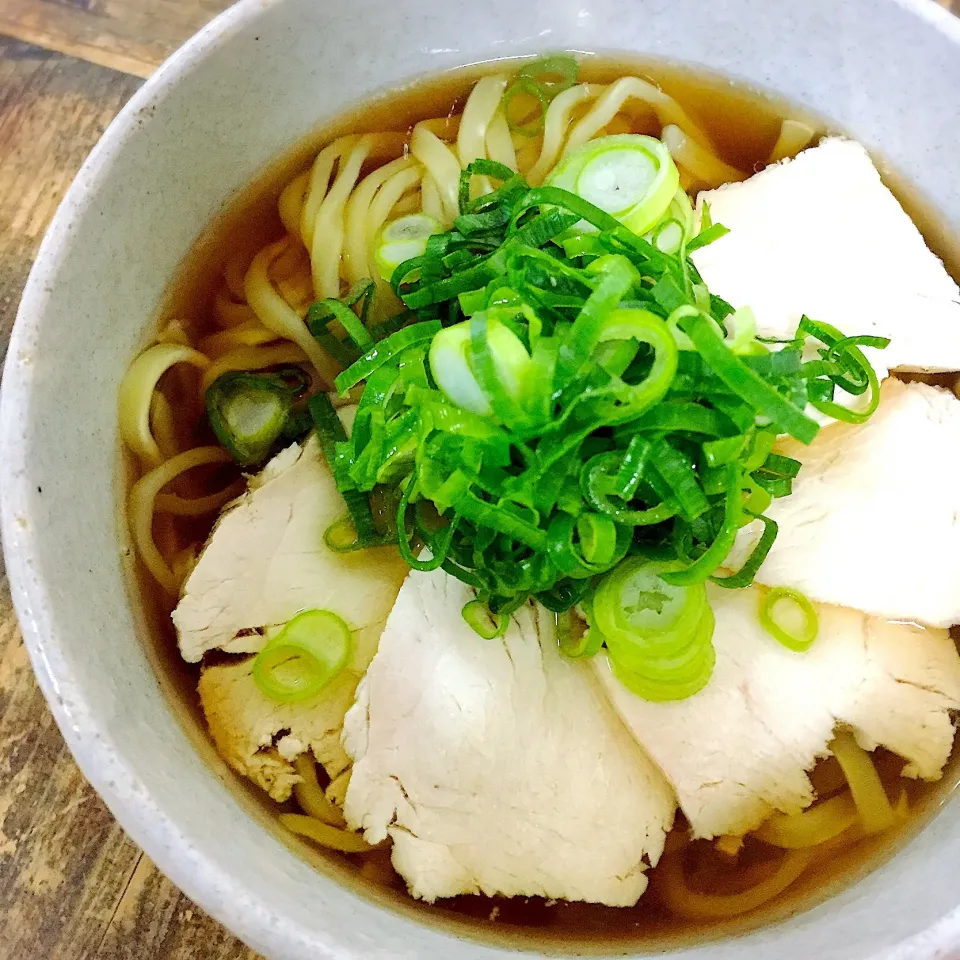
744,127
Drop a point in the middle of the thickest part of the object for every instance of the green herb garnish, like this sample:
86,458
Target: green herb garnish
590,407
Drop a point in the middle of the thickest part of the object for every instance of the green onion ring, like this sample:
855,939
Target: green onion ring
484,623
587,645
744,576
565,68
798,643
525,85
304,657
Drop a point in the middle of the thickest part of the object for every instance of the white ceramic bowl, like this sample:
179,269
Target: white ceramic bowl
248,86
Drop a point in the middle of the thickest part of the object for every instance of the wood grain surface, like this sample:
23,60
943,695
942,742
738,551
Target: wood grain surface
134,36
72,886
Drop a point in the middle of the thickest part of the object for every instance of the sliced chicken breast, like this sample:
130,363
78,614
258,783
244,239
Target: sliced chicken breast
266,561
822,235
260,738
742,747
496,766
873,522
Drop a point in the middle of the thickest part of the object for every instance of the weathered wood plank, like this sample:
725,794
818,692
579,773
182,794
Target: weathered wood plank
52,111
72,886
154,920
133,36
63,862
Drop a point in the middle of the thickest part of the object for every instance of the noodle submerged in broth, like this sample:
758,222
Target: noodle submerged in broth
348,277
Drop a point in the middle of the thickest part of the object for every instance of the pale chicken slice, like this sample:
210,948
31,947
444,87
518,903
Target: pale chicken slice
873,522
266,561
260,738
497,766
822,235
741,748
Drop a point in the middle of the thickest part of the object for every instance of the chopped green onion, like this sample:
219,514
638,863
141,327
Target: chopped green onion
658,635
564,595
632,467
724,450
842,364
798,640
598,538
744,576
599,406
757,500
678,473
473,301
325,312
331,435
404,239
573,645
505,519
709,231
598,482
672,233
781,466
636,601
481,349
385,351
680,683
714,555
440,545
840,412
341,536
775,486
642,657
525,106
745,383
250,412
677,416
512,185
646,328
303,657
484,623
347,318
629,176
570,557
616,276
553,74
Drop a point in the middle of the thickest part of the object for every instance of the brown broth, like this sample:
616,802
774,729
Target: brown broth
744,125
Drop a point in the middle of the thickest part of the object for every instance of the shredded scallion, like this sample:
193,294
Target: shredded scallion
564,411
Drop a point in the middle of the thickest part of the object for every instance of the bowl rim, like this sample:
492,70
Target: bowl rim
103,763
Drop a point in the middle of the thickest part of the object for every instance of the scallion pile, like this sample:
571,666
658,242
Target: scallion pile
564,411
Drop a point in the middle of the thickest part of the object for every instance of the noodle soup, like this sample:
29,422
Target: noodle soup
330,255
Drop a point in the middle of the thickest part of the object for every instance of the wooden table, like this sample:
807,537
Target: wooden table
72,886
